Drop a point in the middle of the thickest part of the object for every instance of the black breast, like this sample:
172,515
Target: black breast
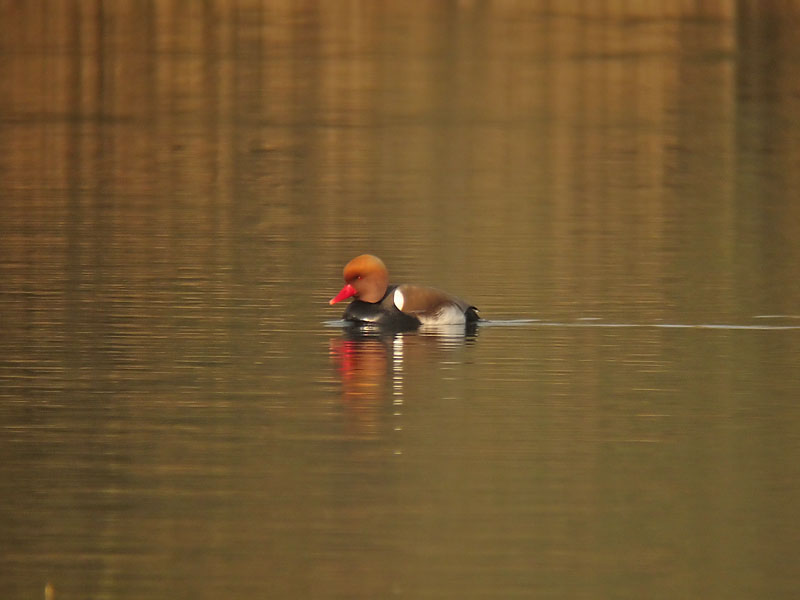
382,313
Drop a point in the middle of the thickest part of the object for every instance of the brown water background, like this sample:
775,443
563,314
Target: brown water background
617,188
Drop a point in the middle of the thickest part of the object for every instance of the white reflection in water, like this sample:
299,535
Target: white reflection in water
397,385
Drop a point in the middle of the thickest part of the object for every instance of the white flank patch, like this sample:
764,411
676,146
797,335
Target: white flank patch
399,300
449,314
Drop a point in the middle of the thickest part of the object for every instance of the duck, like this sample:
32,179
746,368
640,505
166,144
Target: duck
404,306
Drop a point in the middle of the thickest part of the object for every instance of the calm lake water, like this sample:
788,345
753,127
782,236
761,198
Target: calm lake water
617,189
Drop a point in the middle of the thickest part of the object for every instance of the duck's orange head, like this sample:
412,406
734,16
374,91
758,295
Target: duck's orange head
366,278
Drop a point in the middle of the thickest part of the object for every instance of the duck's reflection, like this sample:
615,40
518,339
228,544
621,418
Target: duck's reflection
372,363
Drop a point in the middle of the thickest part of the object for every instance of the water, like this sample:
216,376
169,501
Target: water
181,414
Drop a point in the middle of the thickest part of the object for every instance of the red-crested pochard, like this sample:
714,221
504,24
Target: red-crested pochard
398,306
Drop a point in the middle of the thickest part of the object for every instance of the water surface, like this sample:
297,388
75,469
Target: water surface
616,189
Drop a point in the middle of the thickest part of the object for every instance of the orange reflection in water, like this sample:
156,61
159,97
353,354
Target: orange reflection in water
372,367
363,365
